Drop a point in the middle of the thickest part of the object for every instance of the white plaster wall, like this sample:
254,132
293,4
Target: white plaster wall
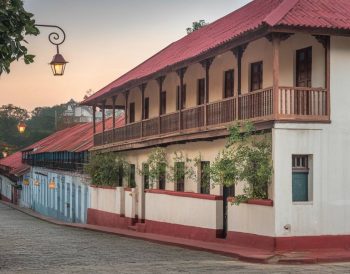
328,213
152,92
193,73
129,204
135,97
221,63
6,186
288,50
259,50
249,218
170,84
184,211
104,199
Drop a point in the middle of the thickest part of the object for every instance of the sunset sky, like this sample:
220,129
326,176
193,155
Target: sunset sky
105,38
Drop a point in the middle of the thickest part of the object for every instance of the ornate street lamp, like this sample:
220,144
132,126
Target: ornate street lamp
52,185
58,63
21,127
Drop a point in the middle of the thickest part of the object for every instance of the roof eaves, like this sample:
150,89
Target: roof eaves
280,12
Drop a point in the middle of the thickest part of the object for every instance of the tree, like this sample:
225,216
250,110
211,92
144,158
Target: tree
196,26
15,24
247,158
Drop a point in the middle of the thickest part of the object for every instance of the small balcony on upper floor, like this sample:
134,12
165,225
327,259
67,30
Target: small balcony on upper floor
282,77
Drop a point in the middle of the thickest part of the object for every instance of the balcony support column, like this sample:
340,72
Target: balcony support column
142,89
328,76
181,73
276,40
126,97
238,52
103,121
160,81
94,118
206,65
114,98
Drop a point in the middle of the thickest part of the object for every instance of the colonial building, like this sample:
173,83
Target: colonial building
281,64
56,184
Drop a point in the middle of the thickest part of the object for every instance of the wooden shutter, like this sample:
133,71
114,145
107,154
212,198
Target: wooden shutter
256,76
304,67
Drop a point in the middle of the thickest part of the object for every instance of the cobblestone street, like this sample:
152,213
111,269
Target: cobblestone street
28,245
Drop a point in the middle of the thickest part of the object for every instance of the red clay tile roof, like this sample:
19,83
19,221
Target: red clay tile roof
78,138
329,14
14,164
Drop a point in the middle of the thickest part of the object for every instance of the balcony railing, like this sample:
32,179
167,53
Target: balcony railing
289,103
59,165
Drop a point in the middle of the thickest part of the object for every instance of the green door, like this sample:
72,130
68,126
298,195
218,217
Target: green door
300,186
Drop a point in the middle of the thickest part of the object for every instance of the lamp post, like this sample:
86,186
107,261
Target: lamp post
58,63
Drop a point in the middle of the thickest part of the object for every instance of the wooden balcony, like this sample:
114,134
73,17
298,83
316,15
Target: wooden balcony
285,104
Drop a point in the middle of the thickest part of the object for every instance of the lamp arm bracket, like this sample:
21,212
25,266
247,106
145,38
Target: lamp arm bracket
55,38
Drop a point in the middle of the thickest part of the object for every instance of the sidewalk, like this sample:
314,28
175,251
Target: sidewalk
241,253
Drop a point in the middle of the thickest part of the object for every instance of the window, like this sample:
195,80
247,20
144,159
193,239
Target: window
145,176
180,176
132,182
162,175
132,113
256,76
205,177
162,102
183,97
146,108
303,67
229,83
300,178
201,92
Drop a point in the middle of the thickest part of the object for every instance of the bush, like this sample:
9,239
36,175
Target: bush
106,168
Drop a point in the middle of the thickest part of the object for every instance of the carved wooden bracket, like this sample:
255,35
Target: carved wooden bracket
181,72
207,62
281,35
238,51
322,39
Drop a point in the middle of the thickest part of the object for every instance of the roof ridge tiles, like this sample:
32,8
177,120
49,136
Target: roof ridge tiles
276,15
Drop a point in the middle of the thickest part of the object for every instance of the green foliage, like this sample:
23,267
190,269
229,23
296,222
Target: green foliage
178,171
247,157
15,24
196,26
105,169
157,163
41,122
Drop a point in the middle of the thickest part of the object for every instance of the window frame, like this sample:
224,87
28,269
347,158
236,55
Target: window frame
302,164
229,84
162,102
146,109
132,112
201,91
260,76
308,56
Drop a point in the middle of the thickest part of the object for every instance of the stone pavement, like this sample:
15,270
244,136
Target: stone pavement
29,245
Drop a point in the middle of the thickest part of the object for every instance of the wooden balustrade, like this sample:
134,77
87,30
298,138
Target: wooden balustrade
193,117
298,101
169,123
133,131
309,104
221,112
255,104
150,127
